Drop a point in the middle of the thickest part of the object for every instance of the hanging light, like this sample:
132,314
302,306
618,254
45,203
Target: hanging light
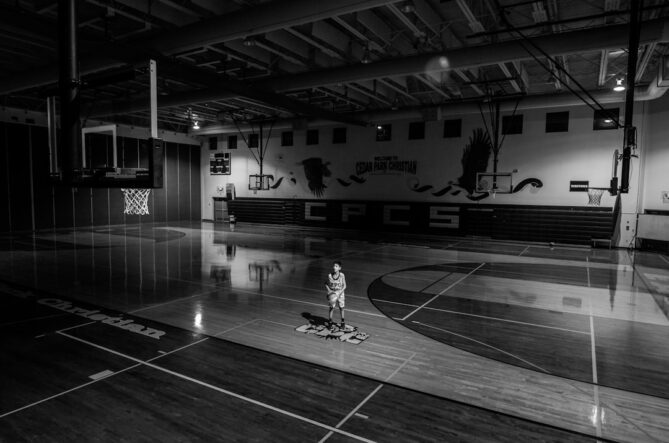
407,7
366,56
619,85
192,118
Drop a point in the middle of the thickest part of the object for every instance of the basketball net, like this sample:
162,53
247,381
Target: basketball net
136,201
595,197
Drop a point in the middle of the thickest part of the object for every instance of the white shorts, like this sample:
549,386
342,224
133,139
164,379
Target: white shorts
337,301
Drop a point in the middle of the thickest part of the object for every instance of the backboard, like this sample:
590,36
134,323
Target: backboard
258,182
499,183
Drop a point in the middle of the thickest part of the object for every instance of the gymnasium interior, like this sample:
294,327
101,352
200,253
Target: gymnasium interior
179,177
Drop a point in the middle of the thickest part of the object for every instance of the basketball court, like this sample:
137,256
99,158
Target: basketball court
142,299
168,331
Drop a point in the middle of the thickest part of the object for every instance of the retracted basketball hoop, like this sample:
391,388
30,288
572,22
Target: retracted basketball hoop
136,200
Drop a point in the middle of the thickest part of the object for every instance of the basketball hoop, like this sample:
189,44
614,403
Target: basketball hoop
594,196
136,200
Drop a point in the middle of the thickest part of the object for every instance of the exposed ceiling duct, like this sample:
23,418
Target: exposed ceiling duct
307,58
458,59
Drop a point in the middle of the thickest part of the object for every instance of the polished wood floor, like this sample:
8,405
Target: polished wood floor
186,332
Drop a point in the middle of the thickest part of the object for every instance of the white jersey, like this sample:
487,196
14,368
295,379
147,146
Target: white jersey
336,284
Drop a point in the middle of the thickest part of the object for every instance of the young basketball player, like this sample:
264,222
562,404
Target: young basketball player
335,286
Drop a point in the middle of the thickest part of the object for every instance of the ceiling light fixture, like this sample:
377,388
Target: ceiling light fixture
366,57
192,118
249,41
619,85
407,8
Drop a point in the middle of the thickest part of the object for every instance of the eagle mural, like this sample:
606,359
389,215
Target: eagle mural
315,170
475,158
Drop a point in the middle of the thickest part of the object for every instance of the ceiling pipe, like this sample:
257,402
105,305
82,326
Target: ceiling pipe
576,42
651,92
247,22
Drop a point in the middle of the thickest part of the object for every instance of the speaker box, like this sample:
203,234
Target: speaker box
156,162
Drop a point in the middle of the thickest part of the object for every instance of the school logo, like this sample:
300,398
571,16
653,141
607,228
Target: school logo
349,334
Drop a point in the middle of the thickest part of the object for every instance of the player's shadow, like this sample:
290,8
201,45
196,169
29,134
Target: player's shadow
314,319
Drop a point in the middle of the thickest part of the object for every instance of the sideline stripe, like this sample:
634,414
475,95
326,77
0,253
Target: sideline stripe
484,344
302,288
399,368
236,327
246,291
307,302
596,414
76,326
93,381
350,414
596,417
66,392
489,318
172,301
221,390
449,287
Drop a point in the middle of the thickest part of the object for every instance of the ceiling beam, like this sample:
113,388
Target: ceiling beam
575,42
603,67
430,84
405,21
237,25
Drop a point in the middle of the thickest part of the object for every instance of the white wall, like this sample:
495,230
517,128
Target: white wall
553,158
655,155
